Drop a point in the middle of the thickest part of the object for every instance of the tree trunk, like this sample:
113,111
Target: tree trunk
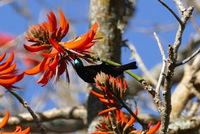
112,17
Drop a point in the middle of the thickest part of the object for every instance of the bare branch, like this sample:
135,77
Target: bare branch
193,109
160,46
25,105
171,61
186,126
67,119
186,15
161,77
189,58
173,13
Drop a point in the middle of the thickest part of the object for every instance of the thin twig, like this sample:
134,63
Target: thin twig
173,13
186,16
160,46
161,77
193,109
189,58
25,105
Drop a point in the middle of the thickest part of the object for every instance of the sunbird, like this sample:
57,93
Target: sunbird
88,73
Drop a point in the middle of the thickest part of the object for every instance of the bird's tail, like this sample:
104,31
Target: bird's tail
128,66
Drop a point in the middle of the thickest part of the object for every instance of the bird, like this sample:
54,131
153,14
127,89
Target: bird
88,73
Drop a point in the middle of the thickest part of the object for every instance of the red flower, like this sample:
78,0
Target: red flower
40,34
8,72
46,39
123,124
18,129
152,130
112,89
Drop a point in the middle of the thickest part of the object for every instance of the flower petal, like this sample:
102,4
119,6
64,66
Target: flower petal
49,55
82,41
56,45
18,130
54,63
79,42
8,62
97,94
36,48
46,77
5,119
20,76
151,130
154,128
63,23
52,22
9,69
132,119
101,133
2,56
107,110
37,69
9,81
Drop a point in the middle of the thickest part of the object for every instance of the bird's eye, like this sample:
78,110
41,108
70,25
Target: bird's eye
78,62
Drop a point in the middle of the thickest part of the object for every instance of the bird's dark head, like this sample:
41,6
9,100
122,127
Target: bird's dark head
78,62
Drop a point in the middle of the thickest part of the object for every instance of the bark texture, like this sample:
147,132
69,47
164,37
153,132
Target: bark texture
112,17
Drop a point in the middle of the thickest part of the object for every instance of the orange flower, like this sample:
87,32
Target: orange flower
46,39
18,129
40,34
123,124
8,72
82,42
112,89
152,130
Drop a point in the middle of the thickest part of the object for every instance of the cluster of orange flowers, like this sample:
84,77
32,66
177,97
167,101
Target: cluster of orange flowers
112,91
123,124
45,39
8,72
